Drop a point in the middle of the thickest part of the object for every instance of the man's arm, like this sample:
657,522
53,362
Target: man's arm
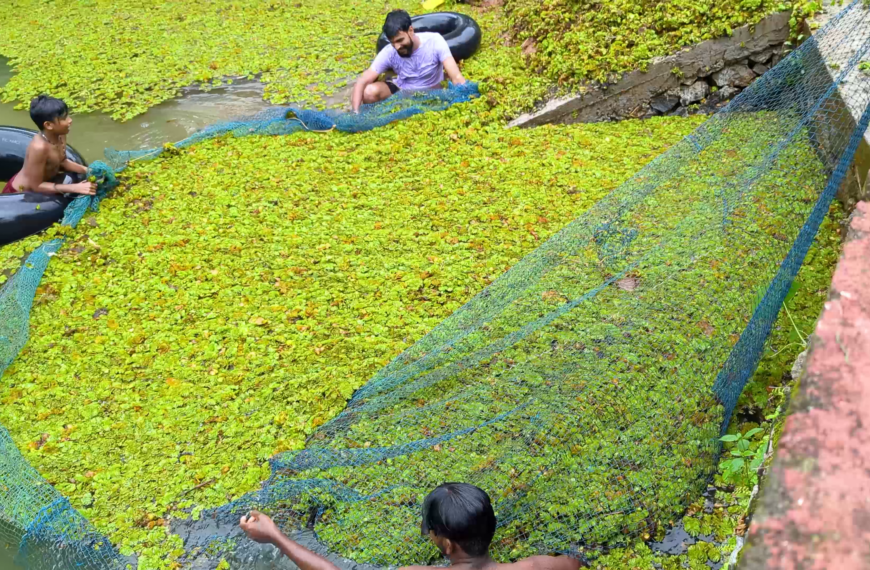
34,170
452,71
368,77
260,528
70,166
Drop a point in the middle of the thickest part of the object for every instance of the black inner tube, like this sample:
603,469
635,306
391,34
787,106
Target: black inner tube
23,214
13,145
460,31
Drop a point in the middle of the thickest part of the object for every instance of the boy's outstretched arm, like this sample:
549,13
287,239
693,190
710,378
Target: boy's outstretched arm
70,166
260,528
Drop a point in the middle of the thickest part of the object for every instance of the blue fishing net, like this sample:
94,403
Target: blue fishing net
48,532
586,388
288,120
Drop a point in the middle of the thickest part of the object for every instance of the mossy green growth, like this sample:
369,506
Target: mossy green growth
618,419
127,56
229,299
13,255
570,41
765,396
124,56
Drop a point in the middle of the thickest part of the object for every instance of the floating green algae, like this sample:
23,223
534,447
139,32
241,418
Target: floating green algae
230,298
124,56
764,403
597,426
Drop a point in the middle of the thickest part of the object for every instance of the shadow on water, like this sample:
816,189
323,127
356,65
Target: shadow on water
168,122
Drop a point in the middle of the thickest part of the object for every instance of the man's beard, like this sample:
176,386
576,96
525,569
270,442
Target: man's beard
407,53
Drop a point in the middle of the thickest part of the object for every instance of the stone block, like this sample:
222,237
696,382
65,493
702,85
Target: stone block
694,93
762,56
665,102
722,95
760,69
734,76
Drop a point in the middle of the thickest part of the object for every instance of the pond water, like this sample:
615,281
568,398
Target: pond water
6,557
168,122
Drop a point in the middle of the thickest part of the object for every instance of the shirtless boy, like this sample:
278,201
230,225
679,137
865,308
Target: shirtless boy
457,517
46,154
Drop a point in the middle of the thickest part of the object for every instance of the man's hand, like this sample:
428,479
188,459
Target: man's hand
260,528
85,188
368,77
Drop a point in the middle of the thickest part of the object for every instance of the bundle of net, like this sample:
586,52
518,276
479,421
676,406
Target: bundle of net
288,120
585,389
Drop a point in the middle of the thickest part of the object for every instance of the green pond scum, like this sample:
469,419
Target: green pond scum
230,298
598,425
122,57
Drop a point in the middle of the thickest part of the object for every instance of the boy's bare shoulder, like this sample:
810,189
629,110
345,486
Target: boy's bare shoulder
38,145
543,563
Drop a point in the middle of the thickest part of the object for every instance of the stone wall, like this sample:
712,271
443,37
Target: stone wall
698,79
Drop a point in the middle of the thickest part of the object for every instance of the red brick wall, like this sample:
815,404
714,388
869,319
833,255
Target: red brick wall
815,505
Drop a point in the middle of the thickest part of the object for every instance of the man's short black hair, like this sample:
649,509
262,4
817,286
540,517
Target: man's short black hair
397,21
461,513
45,109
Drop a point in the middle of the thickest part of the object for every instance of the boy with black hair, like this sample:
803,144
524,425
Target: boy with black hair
419,61
46,155
457,517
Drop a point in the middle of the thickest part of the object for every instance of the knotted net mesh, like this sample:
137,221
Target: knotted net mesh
585,389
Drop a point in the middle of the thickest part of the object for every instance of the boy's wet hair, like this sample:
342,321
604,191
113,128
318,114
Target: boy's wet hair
397,21
46,109
462,513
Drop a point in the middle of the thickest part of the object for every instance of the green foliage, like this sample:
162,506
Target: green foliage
12,255
614,404
230,298
124,56
128,55
744,457
570,41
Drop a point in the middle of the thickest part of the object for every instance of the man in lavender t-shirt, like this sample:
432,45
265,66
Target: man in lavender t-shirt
419,61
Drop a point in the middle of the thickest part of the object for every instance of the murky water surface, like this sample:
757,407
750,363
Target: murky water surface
168,122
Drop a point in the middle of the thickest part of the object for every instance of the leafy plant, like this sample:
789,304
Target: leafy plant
585,40
745,457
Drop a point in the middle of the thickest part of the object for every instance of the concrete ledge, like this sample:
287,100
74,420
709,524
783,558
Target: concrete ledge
815,507
849,101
